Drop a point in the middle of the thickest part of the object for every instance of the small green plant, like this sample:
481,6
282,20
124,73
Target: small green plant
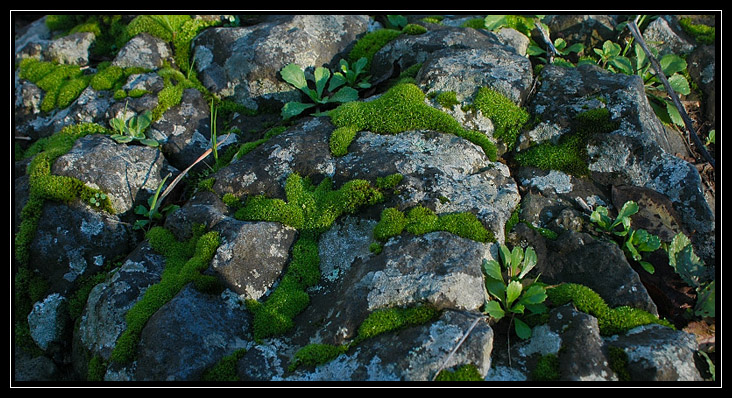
350,75
127,130
153,213
336,91
98,199
512,293
635,241
694,272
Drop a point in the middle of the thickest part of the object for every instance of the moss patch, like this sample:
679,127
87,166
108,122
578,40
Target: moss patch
507,117
311,210
401,108
611,320
184,262
421,220
467,372
225,369
570,153
547,368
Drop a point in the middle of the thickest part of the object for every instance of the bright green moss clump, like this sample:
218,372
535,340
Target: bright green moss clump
507,117
311,210
184,262
547,368
570,153
611,320
62,84
402,108
468,372
421,220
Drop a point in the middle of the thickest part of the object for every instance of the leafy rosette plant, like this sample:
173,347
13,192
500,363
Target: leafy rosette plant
635,241
512,294
337,91
132,128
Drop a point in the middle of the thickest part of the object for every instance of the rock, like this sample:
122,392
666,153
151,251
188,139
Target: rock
48,321
658,353
243,63
71,49
128,173
188,335
75,240
144,51
103,319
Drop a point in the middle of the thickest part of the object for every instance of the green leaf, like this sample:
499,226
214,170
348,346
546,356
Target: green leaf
513,291
493,308
492,269
679,84
345,94
321,78
336,81
647,266
141,210
523,330
118,125
534,50
517,256
705,304
672,63
294,108
530,261
122,139
496,288
629,208
493,22
633,252
622,64
673,114
599,217
150,142
295,76
535,294
505,256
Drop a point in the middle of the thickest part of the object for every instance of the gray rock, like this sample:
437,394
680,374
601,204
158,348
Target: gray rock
103,319
418,354
145,51
658,353
48,321
71,49
74,240
243,63
188,335
464,71
573,257
666,36
129,174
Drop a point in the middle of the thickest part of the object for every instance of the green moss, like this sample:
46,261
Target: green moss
311,210
702,33
96,369
341,138
570,153
467,372
618,362
402,108
547,368
414,29
184,262
389,182
513,220
370,43
315,354
391,319
376,247
611,320
447,99
421,220
225,369
507,117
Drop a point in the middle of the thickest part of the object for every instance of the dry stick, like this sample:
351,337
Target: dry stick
181,175
462,340
659,72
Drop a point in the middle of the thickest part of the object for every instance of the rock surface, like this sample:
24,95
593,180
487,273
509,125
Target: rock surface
86,268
